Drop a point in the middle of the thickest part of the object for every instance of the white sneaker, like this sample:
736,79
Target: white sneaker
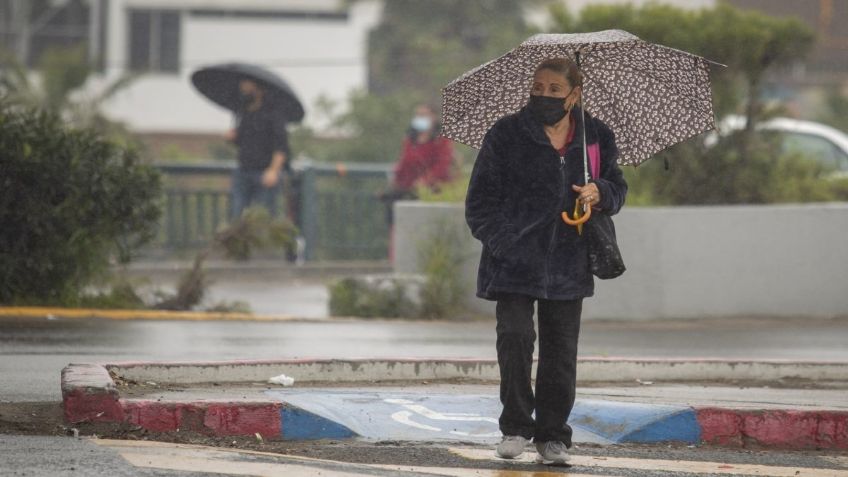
511,447
552,453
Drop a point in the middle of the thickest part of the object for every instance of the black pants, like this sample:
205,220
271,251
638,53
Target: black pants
559,328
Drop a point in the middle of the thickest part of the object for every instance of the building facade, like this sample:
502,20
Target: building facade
318,46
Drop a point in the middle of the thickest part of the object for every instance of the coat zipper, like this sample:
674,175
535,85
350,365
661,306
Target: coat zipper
552,244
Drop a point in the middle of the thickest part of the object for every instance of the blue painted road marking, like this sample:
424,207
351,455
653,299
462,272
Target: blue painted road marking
298,424
384,415
416,415
636,422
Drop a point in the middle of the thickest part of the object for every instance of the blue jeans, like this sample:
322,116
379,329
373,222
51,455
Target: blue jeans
247,189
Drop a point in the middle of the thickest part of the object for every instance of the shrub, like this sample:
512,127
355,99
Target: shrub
69,202
254,230
364,298
441,258
699,175
454,191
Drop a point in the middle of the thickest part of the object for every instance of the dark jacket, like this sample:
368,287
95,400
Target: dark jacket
518,189
259,135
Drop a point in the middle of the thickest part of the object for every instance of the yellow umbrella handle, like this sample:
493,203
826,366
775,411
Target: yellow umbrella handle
580,220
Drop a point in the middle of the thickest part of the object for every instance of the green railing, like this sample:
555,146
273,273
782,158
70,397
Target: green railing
336,207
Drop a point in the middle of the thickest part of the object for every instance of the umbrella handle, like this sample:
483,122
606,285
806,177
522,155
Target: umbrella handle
579,221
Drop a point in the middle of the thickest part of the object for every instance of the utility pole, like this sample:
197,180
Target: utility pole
20,16
94,18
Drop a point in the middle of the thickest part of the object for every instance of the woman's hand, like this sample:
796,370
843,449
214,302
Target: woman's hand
589,194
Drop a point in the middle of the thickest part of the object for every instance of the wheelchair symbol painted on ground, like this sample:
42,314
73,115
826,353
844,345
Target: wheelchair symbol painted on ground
413,413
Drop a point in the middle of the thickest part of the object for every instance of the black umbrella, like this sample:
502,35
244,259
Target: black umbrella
220,83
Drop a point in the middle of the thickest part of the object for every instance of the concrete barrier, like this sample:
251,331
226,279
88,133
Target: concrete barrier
689,262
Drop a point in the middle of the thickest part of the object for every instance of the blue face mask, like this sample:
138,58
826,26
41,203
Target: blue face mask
421,123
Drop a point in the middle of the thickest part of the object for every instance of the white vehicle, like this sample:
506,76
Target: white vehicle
814,140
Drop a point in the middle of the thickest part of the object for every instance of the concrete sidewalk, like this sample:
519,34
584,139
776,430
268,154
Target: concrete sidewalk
457,400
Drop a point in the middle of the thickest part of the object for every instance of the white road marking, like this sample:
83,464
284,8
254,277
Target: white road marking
405,417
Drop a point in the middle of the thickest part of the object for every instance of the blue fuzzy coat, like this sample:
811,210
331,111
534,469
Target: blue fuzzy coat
518,189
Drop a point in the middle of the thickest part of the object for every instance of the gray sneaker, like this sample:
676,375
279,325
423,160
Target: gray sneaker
511,447
552,453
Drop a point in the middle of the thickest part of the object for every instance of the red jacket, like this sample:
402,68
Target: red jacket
430,163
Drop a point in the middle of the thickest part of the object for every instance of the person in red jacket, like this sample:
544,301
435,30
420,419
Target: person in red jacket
426,160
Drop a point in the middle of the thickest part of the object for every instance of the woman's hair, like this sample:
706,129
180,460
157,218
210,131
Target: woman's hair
565,67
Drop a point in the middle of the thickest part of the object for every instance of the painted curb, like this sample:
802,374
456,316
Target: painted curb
417,369
90,395
792,429
622,422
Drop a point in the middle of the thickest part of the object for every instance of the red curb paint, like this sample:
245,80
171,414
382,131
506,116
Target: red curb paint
81,406
154,416
220,419
89,395
720,427
774,429
245,420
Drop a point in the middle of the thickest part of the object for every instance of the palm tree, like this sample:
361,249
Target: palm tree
58,87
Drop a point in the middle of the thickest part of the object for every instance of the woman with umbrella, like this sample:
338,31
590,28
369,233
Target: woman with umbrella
543,161
530,166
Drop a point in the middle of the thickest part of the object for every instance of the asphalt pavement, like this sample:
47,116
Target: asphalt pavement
33,351
63,456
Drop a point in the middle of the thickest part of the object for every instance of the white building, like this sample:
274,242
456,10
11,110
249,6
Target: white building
541,18
318,46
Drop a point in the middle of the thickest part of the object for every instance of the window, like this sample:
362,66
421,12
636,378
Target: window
154,40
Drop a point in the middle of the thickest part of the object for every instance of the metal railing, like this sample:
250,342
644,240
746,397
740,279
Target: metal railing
336,207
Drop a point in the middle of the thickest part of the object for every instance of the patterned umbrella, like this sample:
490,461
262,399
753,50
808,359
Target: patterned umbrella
651,96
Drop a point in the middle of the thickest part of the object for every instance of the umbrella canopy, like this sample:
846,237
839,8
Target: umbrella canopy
651,96
220,83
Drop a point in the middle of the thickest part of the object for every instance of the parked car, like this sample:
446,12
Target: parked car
814,140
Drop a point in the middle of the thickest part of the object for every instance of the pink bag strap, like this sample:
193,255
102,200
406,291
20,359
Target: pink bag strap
594,160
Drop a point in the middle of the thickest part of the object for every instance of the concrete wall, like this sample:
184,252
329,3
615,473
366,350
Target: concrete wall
690,262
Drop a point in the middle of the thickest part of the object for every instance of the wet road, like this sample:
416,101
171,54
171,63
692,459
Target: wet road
34,350
64,456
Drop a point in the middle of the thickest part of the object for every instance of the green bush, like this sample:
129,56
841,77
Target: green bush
454,191
441,259
69,203
355,297
692,174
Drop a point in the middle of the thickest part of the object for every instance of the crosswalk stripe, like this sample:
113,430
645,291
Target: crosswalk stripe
187,457
682,466
221,466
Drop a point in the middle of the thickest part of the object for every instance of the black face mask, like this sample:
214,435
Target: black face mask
246,99
547,109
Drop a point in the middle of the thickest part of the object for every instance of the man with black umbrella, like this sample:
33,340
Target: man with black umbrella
263,150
